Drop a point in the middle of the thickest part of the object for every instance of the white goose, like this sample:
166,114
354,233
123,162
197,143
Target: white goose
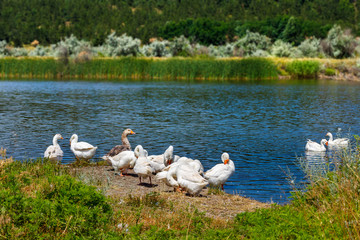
81,150
316,147
54,152
168,176
220,173
196,164
142,165
339,142
190,180
159,162
123,161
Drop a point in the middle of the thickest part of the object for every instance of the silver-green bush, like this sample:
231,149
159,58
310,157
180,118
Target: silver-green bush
121,46
252,42
180,46
157,49
339,43
282,49
71,46
4,49
310,47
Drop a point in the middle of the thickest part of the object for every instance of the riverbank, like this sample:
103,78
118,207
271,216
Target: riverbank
208,69
214,203
43,199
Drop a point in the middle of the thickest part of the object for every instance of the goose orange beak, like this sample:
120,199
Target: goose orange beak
226,161
132,132
327,143
61,138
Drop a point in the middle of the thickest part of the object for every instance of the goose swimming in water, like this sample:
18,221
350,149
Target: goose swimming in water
339,142
316,147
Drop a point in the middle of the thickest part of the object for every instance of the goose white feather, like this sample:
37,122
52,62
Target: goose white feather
316,147
219,174
159,162
142,165
339,142
81,150
189,179
123,161
54,152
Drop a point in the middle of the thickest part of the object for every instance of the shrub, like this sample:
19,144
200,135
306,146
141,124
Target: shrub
157,49
292,31
339,43
18,52
38,51
281,49
4,49
252,42
330,72
222,51
70,46
121,46
303,68
180,46
310,47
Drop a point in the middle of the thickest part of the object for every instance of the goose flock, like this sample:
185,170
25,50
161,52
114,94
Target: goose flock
181,173
332,144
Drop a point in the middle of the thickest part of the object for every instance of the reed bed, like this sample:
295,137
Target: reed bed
38,68
139,68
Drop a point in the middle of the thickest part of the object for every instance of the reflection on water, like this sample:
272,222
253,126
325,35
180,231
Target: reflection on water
262,125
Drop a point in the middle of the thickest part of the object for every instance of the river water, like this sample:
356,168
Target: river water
263,125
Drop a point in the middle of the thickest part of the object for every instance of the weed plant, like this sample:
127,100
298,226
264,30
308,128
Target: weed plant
303,69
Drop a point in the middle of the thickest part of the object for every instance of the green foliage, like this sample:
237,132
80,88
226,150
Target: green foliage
202,30
303,68
289,29
39,199
330,72
292,31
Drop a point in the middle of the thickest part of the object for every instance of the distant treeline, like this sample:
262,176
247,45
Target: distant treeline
204,21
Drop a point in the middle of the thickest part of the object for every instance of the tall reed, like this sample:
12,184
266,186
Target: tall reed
28,67
139,68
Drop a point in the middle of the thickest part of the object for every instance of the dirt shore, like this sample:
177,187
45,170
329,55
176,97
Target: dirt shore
221,205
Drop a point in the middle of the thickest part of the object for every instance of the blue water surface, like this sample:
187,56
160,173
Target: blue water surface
263,125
